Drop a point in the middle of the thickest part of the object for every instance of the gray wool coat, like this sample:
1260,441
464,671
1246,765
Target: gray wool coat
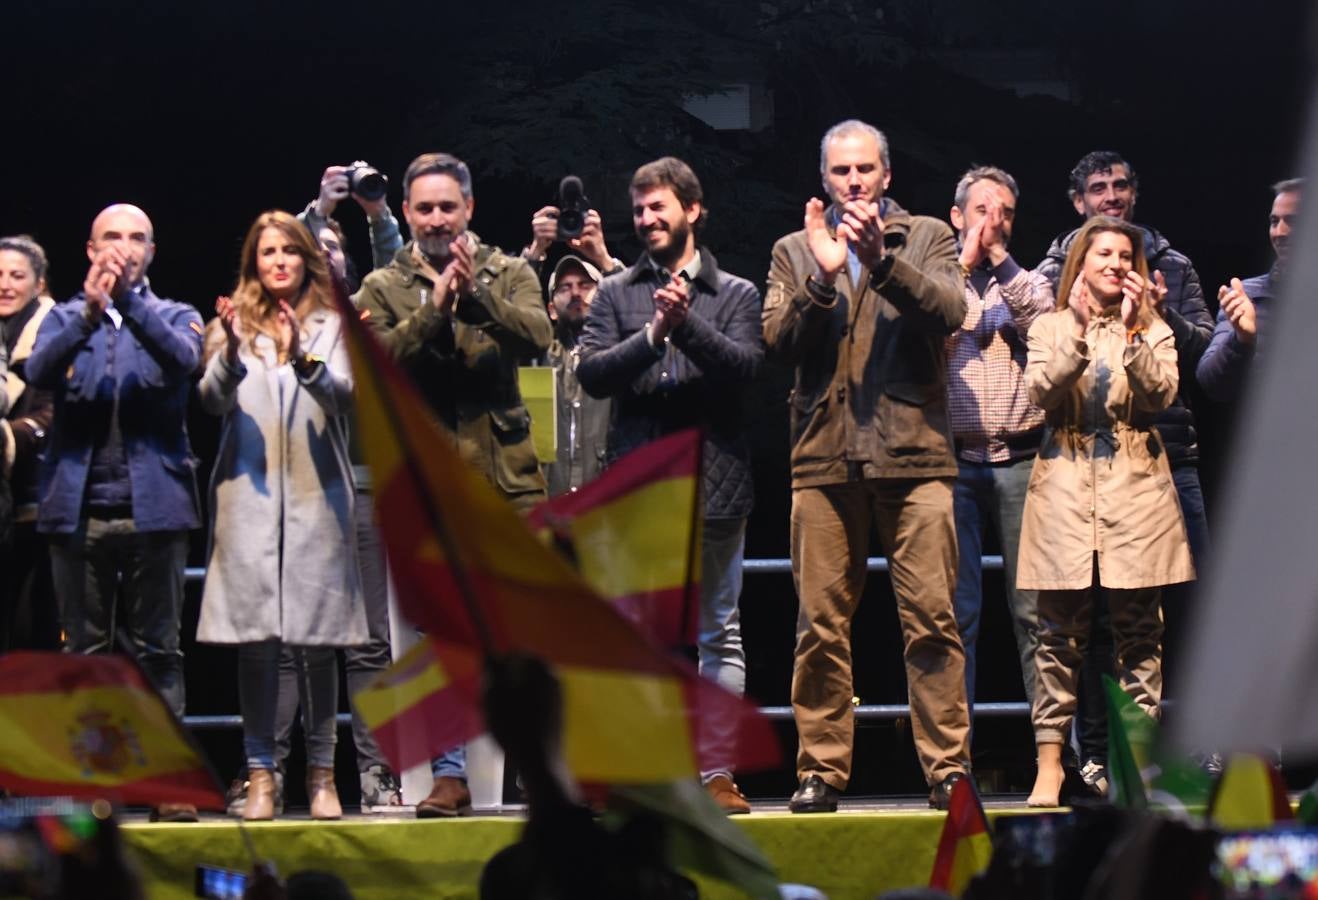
282,561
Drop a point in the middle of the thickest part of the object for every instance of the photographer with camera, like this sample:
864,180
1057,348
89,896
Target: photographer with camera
369,187
574,223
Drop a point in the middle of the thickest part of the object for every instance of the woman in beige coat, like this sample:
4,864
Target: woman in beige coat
1101,510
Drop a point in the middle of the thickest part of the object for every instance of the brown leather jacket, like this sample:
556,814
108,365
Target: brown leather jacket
870,399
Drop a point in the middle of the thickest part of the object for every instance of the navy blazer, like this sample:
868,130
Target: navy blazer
145,384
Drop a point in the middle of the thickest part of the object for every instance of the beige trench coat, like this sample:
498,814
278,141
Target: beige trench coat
1101,483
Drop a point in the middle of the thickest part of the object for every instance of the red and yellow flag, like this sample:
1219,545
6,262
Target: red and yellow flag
469,572
634,534
965,847
93,727
1250,795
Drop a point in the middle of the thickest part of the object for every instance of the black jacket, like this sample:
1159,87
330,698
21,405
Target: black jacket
697,380
1187,314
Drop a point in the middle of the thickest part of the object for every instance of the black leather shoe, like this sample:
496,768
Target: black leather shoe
813,796
940,795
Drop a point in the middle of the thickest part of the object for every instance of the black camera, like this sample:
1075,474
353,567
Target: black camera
366,181
572,208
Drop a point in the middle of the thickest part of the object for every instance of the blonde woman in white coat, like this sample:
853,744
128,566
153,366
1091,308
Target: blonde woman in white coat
282,567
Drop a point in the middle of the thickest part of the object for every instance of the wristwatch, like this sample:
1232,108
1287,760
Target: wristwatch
304,364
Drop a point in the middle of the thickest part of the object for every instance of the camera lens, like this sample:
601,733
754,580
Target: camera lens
570,223
367,183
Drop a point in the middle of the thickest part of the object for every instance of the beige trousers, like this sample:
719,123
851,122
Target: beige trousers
1063,636
830,542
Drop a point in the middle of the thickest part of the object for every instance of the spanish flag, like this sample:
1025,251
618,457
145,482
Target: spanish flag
469,572
634,534
965,847
1250,795
420,702
93,727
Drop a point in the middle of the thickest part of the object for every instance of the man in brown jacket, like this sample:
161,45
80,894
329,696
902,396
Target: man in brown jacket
458,315
860,302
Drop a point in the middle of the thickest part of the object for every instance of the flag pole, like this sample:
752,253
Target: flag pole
466,589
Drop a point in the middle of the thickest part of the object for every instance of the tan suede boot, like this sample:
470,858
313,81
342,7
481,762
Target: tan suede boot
322,793
260,804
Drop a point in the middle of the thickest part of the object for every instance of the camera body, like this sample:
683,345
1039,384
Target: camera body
366,181
572,208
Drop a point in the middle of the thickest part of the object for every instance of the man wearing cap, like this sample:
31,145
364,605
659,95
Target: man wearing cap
583,420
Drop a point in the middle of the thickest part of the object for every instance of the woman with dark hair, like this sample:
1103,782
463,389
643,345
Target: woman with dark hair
282,567
1101,510
27,611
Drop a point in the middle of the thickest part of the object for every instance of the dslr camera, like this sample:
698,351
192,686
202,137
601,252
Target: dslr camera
366,181
572,208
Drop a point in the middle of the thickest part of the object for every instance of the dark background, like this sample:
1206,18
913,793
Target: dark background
205,115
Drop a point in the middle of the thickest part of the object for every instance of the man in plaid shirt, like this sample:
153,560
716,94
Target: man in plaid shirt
995,427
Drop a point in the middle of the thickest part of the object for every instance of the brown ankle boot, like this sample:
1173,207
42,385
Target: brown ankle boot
322,793
260,803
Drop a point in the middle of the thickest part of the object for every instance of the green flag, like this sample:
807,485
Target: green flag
1131,735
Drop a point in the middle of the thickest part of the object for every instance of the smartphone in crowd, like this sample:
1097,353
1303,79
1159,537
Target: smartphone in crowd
220,884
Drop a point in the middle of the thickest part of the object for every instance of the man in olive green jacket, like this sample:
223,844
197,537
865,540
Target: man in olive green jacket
458,316
860,303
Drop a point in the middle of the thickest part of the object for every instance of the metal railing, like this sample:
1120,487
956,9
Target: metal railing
881,712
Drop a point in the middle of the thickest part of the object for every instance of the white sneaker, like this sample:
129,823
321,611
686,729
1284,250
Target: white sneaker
381,791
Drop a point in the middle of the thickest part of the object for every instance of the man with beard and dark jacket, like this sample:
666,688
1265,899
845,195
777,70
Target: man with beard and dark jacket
583,420
1244,304
1104,184
861,302
674,340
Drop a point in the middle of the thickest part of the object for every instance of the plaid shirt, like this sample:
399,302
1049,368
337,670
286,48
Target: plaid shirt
987,399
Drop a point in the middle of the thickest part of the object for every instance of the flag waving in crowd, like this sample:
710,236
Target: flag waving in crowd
965,846
634,534
93,727
470,572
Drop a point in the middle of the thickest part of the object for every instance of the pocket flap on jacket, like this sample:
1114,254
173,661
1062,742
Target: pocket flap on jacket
911,392
511,420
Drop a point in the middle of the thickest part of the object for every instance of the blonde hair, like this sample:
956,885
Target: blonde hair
1075,260
257,310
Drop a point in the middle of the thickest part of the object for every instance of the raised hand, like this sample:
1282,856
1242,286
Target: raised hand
972,245
1078,302
591,243
544,230
228,316
1239,310
862,226
829,251
290,332
1133,289
333,189
671,303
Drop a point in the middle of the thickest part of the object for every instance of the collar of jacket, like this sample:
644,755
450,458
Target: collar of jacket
409,271
645,268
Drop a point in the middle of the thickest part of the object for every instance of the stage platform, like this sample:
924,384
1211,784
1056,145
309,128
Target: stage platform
868,846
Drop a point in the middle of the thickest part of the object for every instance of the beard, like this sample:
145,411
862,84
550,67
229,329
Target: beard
669,254
435,246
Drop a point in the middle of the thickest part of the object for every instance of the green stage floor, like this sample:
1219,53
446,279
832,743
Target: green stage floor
864,849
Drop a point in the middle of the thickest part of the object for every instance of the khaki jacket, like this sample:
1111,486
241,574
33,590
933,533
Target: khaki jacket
1101,483
870,399
465,362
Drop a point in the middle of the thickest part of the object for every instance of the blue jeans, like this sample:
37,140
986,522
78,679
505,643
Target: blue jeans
992,494
722,660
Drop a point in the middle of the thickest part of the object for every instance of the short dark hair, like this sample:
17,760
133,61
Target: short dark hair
36,256
1098,161
671,172
438,164
1288,186
983,173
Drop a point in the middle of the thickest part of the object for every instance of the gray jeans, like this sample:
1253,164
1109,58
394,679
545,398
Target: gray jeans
89,568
